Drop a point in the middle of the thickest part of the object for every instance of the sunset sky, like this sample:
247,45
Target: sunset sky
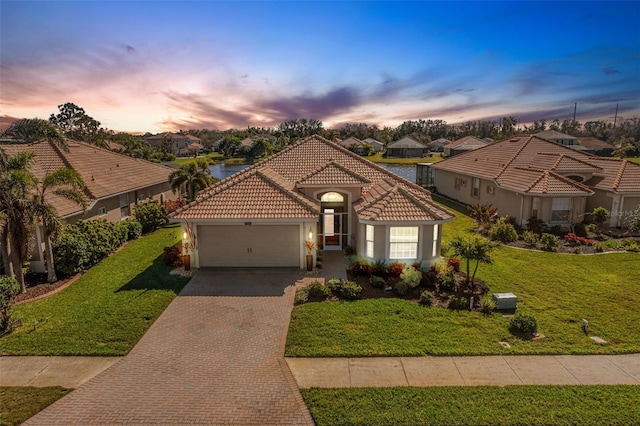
164,66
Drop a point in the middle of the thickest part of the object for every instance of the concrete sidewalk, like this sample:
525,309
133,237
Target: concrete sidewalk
466,371
40,371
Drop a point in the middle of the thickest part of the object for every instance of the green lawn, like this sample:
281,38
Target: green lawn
378,158
511,405
215,156
558,289
107,310
634,159
17,404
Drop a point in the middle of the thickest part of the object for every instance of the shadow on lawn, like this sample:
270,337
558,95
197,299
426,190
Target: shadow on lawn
156,277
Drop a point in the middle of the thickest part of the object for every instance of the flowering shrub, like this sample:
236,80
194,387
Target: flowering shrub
395,269
454,262
171,206
575,240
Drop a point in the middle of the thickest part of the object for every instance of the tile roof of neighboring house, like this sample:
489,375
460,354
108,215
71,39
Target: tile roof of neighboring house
594,143
267,190
406,142
441,142
518,162
372,141
553,135
105,173
466,143
351,141
173,136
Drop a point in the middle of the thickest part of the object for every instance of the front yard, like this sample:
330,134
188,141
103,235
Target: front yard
107,310
558,289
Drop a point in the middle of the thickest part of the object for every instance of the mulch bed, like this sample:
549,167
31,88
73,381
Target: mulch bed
567,248
39,288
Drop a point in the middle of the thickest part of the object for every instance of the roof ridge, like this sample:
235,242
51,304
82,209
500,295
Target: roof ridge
515,155
416,201
61,153
337,165
542,175
289,193
621,170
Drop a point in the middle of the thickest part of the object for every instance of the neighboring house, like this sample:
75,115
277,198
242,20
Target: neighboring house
465,144
596,146
354,144
313,190
528,176
438,144
178,143
375,144
407,147
557,137
115,183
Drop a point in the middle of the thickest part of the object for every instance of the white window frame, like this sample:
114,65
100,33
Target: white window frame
369,240
434,250
565,209
403,242
475,187
102,211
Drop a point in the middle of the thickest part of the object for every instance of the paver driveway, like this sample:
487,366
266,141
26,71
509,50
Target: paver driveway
215,356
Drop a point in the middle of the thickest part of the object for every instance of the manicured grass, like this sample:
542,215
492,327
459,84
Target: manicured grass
17,404
216,156
378,158
107,310
558,289
511,405
634,159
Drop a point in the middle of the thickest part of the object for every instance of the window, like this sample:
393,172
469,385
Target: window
331,197
475,187
434,251
369,241
458,183
560,209
102,211
490,190
535,206
124,205
403,242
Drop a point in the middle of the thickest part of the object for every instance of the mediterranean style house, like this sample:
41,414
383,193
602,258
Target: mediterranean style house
464,144
313,192
115,183
528,176
407,147
354,144
180,145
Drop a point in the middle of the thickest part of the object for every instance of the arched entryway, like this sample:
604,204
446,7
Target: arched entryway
334,223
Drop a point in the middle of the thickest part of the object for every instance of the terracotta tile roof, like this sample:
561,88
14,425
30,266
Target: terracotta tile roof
549,182
467,142
351,141
105,173
594,143
515,163
266,190
333,173
554,135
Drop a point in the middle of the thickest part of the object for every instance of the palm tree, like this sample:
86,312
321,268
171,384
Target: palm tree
193,176
33,130
16,182
66,183
472,249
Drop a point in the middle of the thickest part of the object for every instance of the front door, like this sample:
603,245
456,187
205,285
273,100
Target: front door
332,227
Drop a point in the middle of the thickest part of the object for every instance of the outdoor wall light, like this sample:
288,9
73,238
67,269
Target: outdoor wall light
184,235
310,234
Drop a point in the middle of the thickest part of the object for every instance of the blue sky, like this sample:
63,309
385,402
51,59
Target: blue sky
158,66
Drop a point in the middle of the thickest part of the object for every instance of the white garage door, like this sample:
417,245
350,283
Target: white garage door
249,245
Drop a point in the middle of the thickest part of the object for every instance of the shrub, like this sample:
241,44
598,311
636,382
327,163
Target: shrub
401,288
171,206
379,268
580,229
634,226
454,262
458,303
133,228
482,214
531,238
394,270
600,215
535,225
631,245
350,290
549,242
150,215
444,276
503,231
172,256
523,323
335,285
575,240
426,298
9,288
360,266
317,290
377,281
487,305
591,227
599,247
411,276
301,297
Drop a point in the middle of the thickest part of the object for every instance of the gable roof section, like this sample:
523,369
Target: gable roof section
406,142
549,182
554,135
351,141
267,190
466,143
514,162
105,173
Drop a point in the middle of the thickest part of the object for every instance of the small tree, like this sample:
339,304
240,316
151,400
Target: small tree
472,249
9,288
600,215
635,222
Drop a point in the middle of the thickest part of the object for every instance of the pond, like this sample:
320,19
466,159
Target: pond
222,171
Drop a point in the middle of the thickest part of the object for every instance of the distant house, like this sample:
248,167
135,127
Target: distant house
527,176
406,148
178,143
557,137
464,144
596,146
355,145
313,191
115,183
375,144
438,144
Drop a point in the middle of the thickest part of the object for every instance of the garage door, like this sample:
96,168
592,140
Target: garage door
249,245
